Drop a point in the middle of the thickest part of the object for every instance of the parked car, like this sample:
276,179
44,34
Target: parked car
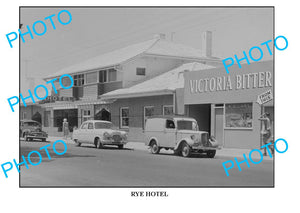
99,133
30,129
180,134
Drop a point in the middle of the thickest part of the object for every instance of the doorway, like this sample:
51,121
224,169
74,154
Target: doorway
201,112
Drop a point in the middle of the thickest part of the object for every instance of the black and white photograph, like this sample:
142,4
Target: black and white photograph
141,96
150,106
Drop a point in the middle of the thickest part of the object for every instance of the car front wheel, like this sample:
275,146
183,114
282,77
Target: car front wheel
186,150
98,143
154,148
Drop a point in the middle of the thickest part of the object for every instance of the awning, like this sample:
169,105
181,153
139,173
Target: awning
94,102
74,105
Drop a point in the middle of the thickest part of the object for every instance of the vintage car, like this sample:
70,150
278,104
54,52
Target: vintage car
99,133
180,134
30,129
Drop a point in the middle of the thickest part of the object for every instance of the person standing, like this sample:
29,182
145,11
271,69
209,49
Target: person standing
266,131
65,127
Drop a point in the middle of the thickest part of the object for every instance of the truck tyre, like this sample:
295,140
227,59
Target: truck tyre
186,150
154,147
25,137
211,153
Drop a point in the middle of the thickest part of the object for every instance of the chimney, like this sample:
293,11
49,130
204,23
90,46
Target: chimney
160,36
207,43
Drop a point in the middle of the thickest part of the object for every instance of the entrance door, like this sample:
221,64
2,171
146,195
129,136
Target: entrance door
219,125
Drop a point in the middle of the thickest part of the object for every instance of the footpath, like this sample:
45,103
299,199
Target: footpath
222,153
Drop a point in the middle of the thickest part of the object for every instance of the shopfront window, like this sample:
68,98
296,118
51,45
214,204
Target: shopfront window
148,112
238,115
124,117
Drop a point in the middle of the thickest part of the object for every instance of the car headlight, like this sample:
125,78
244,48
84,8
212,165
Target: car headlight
193,137
106,135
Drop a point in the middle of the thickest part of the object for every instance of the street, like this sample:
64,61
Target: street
112,167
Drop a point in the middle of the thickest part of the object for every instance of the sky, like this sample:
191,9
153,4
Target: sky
94,31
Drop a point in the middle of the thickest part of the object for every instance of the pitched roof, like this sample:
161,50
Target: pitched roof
157,46
165,83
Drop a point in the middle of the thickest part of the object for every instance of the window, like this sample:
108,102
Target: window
170,124
84,126
102,76
33,124
91,77
238,115
90,126
24,115
148,111
112,75
168,110
86,114
78,80
187,125
124,117
102,125
140,71
66,82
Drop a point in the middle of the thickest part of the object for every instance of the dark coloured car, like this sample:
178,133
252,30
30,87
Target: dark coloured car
30,129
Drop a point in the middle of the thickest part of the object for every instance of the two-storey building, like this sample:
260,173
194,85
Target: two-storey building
118,69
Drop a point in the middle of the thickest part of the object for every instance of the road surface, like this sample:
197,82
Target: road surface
87,166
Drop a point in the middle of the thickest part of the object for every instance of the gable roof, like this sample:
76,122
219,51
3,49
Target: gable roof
157,47
165,83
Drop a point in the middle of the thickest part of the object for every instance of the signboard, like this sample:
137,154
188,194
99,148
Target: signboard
265,97
51,99
244,85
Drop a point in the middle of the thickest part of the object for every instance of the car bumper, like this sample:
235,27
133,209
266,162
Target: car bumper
37,136
197,147
112,142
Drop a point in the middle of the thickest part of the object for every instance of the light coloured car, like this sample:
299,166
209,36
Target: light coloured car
99,133
180,134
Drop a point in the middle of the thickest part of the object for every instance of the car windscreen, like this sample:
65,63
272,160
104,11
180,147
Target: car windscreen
35,124
102,125
187,125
